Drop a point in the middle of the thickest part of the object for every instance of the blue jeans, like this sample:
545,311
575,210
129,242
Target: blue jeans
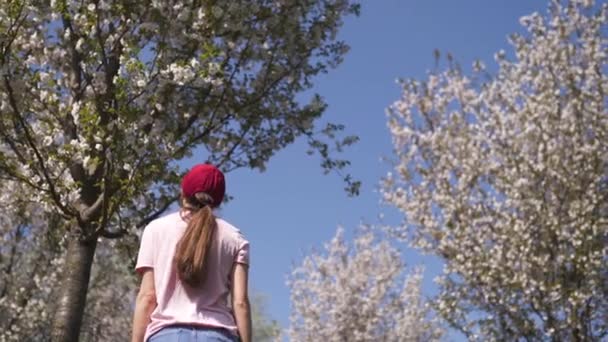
192,334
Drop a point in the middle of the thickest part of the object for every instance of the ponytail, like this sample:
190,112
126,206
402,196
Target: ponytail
192,251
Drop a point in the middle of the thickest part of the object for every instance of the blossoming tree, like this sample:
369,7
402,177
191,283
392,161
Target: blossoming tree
504,177
26,256
358,292
99,98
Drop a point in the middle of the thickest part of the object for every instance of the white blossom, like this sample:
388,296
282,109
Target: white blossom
506,179
357,292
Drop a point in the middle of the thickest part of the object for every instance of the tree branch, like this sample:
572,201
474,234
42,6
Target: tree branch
30,141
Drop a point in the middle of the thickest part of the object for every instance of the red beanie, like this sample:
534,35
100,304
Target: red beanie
205,178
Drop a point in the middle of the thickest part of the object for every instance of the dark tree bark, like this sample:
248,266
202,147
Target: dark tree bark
72,296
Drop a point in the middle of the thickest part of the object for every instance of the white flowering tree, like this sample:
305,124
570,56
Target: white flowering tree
28,258
32,255
504,177
358,292
98,99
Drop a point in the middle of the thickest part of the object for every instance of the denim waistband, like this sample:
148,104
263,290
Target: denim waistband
194,329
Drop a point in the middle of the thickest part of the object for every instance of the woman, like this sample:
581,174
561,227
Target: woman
191,264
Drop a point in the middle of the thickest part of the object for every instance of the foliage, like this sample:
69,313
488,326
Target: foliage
264,328
98,99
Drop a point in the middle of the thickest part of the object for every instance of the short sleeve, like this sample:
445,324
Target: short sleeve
242,255
145,257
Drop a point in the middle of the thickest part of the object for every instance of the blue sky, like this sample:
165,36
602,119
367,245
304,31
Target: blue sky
292,206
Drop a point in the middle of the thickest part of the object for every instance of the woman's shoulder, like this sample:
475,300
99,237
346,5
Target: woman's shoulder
229,230
171,219
166,219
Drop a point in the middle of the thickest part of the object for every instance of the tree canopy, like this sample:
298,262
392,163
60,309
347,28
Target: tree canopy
98,100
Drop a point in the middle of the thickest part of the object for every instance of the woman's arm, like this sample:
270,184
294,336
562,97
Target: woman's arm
144,305
240,301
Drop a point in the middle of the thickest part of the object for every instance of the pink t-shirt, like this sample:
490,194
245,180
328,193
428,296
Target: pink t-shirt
206,306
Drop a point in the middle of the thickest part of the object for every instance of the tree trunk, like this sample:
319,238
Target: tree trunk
73,293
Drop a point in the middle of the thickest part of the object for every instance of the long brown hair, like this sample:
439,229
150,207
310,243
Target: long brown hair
191,253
